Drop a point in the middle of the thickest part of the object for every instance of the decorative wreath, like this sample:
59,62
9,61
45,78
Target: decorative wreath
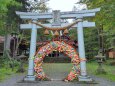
60,46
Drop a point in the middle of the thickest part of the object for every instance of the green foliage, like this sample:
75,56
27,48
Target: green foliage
90,39
24,5
73,34
105,17
7,16
91,42
3,5
5,67
3,10
9,21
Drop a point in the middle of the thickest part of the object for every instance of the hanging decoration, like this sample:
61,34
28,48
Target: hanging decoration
66,31
56,29
46,32
56,33
60,46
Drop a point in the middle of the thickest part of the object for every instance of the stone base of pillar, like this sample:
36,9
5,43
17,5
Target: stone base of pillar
85,78
29,78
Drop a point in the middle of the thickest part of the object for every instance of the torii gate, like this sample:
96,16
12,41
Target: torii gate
56,16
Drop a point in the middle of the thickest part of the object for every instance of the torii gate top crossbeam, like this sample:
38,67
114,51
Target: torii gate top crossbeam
63,15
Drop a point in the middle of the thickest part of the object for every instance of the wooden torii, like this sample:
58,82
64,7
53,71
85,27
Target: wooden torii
56,15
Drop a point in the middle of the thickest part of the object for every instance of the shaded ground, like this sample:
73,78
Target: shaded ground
57,70
54,71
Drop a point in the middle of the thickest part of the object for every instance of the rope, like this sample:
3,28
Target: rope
82,59
57,28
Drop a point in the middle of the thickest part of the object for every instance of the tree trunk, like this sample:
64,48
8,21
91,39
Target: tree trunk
7,43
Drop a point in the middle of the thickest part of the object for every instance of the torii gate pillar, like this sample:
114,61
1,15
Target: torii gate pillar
30,76
81,48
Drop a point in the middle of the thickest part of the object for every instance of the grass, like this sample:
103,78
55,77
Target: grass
5,73
110,70
91,69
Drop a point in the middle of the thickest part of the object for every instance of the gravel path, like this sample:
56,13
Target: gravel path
15,80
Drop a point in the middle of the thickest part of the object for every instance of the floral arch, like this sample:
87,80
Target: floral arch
60,46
